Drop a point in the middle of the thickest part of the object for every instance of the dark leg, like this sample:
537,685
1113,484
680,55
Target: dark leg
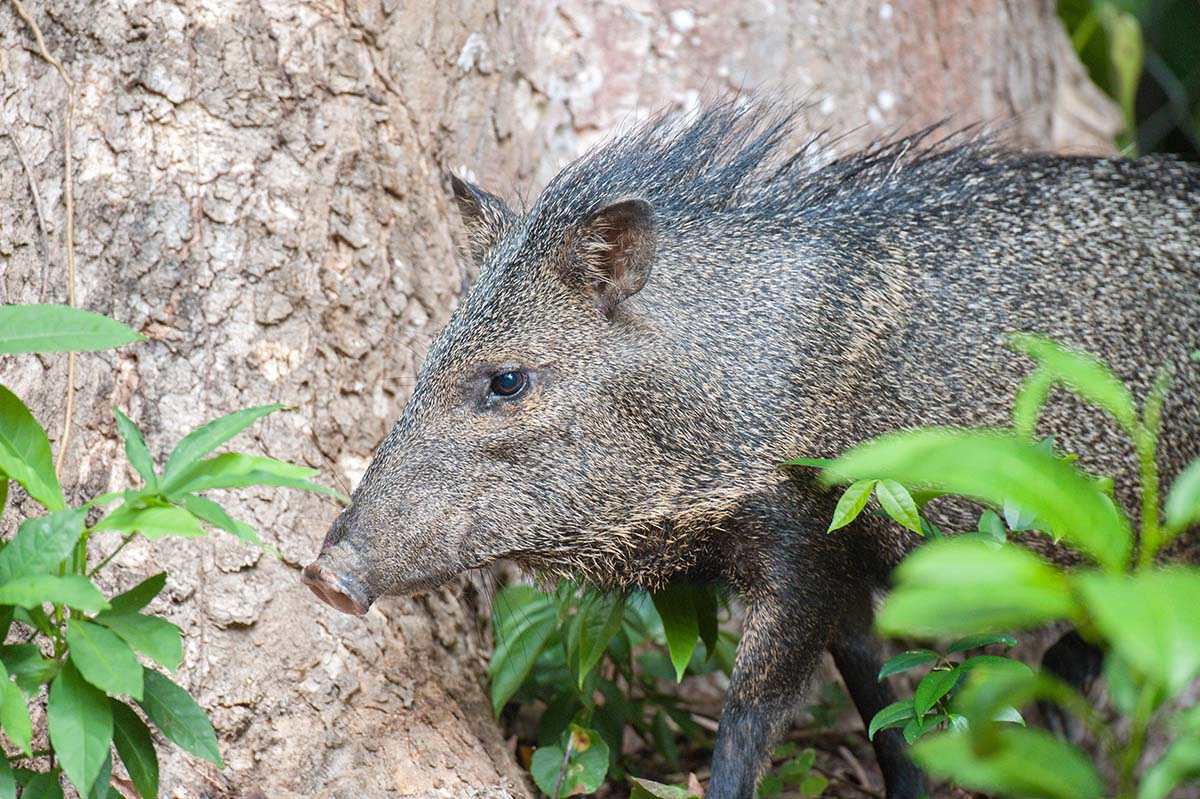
856,654
1078,664
781,641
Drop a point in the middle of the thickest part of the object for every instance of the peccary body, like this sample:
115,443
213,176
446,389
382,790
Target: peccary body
686,308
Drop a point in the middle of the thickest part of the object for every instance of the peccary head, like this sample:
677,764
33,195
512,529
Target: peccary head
534,428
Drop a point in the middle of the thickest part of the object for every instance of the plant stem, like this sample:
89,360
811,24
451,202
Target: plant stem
1137,740
1146,443
111,555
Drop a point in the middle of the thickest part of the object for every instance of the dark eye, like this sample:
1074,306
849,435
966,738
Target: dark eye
509,384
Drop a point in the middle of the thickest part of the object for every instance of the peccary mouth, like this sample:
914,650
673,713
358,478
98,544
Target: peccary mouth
339,592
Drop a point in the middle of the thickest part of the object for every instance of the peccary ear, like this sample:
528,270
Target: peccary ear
612,251
485,216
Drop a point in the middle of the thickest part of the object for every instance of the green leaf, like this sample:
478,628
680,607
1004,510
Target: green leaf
1182,507
907,660
3,492
1027,405
664,740
209,511
897,714
933,686
677,610
647,789
957,587
981,640
27,666
853,500
136,748
136,449
59,328
8,785
178,717
1181,762
814,785
899,504
237,470
14,714
102,785
996,467
599,622
104,659
523,619
203,440
73,590
1023,762
1085,374
80,723
819,463
140,595
1150,619
707,604
41,544
157,639
585,766
153,522
991,528
43,786
25,452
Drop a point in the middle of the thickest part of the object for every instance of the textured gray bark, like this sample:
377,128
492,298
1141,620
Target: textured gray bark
260,190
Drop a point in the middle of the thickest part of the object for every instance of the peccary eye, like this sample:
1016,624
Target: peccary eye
509,384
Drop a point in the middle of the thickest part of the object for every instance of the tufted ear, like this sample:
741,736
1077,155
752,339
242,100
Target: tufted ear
611,252
485,216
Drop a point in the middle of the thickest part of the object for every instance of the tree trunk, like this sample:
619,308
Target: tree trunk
260,189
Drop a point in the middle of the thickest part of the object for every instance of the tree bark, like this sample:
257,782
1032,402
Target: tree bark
260,189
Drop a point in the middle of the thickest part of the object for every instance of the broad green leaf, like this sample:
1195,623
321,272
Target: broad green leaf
102,785
1027,405
899,504
1083,373
991,528
157,639
14,714
981,640
1180,763
73,590
8,785
25,452
996,467
707,608
178,717
237,470
136,748
907,660
3,492
59,328
897,714
1018,518
43,786
678,613
41,544
104,659
1151,619
203,440
28,667
153,522
1182,507
853,500
933,686
585,769
956,587
814,785
140,595
602,620
664,740
523,618
80,723
136,449
209,511
648,789
1023,762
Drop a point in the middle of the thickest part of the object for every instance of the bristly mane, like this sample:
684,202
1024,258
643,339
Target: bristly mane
740,157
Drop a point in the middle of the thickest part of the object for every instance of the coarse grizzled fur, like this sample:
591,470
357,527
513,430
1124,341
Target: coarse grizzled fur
696,302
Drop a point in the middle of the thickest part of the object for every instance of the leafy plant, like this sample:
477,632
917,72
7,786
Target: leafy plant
1142,613
795,771
595,660
83,652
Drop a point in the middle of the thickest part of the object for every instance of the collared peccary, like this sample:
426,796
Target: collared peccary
694,303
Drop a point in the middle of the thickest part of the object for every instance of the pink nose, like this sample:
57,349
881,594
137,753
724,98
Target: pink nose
331,589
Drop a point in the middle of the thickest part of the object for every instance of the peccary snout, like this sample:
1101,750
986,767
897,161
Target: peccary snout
332,589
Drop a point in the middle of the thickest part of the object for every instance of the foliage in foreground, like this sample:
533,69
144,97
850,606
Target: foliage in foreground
1142,613
81,651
